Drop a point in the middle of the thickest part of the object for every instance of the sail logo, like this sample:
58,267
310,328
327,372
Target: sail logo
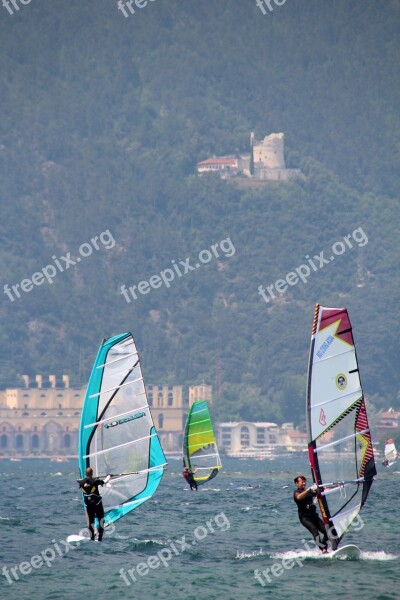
126,420
322,417
341,381
325,346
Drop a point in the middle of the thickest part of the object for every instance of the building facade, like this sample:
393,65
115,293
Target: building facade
244,438
258,439
42,418
200,392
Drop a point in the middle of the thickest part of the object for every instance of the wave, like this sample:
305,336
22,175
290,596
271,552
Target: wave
240,554
316,554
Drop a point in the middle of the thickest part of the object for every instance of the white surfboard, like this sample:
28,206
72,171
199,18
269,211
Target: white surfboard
349,552
77,539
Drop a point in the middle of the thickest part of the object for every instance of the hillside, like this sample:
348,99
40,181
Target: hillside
104,119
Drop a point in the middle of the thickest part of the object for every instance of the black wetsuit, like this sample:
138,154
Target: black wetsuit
309,517
93,503
188,475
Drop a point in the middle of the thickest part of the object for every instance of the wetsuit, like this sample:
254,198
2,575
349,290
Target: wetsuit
93,503
309,517
188,475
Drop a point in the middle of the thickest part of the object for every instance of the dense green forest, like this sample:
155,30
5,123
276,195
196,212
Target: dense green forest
103,121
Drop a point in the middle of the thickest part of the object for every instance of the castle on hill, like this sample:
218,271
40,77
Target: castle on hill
265,162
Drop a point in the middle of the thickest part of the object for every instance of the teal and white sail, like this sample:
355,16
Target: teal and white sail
117,434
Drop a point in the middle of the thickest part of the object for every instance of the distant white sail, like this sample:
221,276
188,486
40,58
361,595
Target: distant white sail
390,453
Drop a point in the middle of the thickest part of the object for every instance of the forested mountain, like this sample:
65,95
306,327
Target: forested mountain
103,120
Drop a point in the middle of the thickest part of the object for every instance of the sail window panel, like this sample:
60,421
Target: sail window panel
343,521
341,463
123,490
205,457
129,394
123,459
118,433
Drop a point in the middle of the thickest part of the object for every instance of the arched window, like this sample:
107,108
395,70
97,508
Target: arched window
19,441
25,414
160,421
67,440
4,441
244,436
35,442
170,399
150,398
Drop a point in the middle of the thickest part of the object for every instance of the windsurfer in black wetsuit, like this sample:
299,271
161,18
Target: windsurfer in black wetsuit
93,502
308,513
189,476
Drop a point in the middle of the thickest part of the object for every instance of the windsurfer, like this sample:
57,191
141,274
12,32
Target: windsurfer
93,502
189,476
308,513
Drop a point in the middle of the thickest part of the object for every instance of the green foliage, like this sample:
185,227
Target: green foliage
104,119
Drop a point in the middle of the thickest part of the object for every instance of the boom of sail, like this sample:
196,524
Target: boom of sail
200,452
340,447
117,434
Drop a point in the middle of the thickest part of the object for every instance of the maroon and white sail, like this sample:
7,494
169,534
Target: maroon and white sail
340,447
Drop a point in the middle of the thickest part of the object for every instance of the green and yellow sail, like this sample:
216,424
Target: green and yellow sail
200,452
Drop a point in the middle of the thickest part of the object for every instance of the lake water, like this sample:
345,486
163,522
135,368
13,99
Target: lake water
230,530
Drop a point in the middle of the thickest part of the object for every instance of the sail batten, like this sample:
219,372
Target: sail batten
129,412
339,441
117,434
116,388
340,445
199,445
122,357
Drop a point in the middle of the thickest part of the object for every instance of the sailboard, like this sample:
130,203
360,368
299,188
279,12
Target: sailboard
200,452
349,552
339,439
390,453
117,436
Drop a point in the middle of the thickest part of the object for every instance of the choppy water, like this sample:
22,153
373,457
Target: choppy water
235,530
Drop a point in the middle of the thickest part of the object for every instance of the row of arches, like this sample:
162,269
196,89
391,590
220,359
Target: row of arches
27,442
